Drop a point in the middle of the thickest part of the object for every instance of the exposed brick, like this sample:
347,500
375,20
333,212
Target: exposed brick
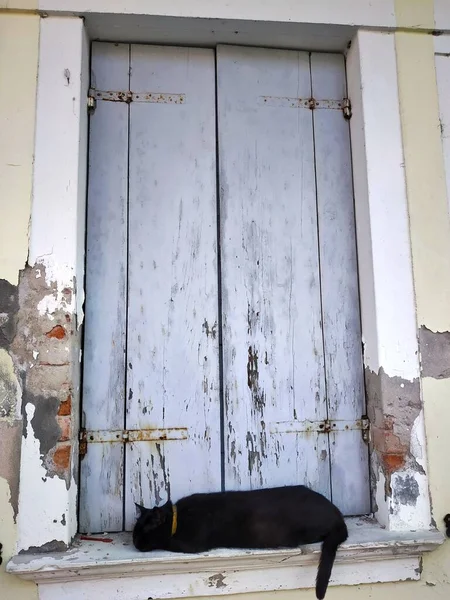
61,457
65,407
385,441
57,332
393,462
65,425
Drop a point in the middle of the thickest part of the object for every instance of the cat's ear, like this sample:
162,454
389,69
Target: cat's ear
139,508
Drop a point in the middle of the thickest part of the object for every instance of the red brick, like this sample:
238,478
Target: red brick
65,424
393,462
65,407
58,332
61,457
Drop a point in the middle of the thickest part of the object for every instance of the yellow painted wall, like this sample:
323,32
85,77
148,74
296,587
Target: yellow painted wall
18,70
19,38
430,238
22,5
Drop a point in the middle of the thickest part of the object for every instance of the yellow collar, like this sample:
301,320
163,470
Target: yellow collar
174,519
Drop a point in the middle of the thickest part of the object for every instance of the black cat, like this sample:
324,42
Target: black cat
283,517
447,524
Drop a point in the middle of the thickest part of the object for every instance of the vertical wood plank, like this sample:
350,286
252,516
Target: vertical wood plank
340,295
272,338
101,499
173,371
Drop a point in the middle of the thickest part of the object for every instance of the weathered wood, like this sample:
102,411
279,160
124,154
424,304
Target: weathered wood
272,338
173,370
288,262
104,347
339,284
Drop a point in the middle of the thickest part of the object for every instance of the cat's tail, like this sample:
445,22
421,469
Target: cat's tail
329,548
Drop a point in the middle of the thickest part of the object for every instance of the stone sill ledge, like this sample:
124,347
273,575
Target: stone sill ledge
387,556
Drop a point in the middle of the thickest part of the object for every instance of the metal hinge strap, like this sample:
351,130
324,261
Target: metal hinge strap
324,426
309,103
123,436
128,96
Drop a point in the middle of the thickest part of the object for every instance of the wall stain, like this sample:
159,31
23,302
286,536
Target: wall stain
258,395
210,331
217,581
406,490
53,546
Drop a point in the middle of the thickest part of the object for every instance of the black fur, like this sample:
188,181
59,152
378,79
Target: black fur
447,524
283,517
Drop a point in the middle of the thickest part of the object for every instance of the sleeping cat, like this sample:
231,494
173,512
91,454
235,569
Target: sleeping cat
283,517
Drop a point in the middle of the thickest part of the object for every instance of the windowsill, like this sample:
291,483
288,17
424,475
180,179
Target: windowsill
387,556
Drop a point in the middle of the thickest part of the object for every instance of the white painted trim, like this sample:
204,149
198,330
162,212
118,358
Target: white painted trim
442,44
363,13
97,569
47,509
387,293
59,179
384,250
223,582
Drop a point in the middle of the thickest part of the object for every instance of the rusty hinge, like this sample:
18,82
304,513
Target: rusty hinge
91,104
347,108
127,96
123,436
310,103
365,428
83,442
324,426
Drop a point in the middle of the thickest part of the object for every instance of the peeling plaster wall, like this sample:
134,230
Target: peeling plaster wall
46,352
19,36
47,346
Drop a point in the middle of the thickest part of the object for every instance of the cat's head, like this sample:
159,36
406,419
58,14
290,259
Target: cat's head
153,527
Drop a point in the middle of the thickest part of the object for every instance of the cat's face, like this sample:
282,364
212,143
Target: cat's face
150,530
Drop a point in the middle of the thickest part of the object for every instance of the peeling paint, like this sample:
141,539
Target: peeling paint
398,455
10,440
39,373
47,498
10,389
44,423
9,305
434,353
217,581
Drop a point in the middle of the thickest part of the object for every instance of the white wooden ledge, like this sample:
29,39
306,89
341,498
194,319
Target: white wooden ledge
115,570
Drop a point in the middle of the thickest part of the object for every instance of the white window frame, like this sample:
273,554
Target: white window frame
392,549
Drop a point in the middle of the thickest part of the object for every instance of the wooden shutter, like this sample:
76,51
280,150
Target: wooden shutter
162,411
292,366
291,336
